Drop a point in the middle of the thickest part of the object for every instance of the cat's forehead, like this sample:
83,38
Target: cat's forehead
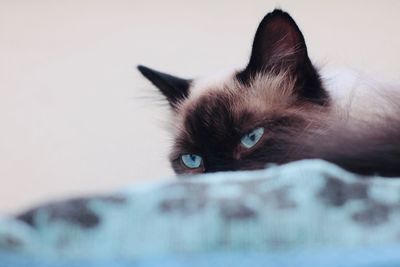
263,92
222,105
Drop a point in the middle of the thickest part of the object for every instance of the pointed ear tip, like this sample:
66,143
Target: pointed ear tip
141,68
145,71
278,13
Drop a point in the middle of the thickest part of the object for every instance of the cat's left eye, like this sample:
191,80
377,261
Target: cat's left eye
251,139
191,161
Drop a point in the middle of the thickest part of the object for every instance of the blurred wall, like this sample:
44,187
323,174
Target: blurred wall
76,116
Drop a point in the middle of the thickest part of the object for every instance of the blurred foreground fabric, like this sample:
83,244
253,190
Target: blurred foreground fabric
306,213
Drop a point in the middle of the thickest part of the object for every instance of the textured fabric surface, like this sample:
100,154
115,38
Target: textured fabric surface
310,208
333,257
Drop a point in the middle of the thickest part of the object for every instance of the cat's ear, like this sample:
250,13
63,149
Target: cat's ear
279,46
278,43
173,88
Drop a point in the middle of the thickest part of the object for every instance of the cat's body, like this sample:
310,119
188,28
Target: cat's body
280,108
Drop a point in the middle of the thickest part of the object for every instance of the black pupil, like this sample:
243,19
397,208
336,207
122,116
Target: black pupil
192,157
252,137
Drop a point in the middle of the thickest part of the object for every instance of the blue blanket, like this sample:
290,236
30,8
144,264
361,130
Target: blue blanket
333,257
307,213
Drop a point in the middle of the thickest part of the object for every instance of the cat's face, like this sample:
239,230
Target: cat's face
232,126
248,119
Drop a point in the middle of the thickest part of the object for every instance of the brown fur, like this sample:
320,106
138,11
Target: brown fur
211,124
280,91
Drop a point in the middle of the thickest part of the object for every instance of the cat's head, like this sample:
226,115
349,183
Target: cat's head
248,119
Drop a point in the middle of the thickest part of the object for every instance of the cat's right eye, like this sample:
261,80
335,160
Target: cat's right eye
191,161
250,139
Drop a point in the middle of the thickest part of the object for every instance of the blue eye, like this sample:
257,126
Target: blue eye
250,139
192,161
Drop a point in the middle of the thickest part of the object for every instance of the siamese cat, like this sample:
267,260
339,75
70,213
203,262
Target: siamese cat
281,108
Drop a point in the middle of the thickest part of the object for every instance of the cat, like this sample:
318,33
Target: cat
281,108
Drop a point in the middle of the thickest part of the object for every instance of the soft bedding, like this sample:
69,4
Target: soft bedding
306,213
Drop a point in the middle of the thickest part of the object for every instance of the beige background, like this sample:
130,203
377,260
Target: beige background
75,115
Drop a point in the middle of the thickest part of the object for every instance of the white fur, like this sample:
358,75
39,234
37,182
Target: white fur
353,93
212,81
361,95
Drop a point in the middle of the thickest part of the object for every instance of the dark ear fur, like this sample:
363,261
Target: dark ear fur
173,88
279,46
